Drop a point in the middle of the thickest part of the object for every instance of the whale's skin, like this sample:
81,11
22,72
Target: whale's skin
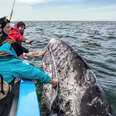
77,93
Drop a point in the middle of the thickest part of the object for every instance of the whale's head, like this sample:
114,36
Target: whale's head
77,93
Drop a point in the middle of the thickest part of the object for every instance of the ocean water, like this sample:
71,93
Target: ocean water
94,41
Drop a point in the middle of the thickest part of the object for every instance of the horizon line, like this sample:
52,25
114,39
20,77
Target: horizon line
63,20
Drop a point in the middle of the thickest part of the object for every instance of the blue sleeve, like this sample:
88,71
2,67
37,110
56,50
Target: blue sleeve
26,71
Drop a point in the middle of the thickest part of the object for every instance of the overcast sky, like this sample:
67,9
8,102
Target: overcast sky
60,9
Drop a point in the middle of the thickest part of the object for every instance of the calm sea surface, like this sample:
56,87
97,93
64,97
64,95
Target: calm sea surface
94,41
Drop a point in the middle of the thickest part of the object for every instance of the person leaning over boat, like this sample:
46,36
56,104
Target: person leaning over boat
17,33
12,67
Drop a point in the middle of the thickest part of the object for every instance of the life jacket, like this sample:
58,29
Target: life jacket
16,34
5,88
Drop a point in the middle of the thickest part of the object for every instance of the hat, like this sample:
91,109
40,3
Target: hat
19,24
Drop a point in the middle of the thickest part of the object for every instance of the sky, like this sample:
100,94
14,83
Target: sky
79,10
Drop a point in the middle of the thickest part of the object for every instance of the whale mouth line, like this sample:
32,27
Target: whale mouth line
55,73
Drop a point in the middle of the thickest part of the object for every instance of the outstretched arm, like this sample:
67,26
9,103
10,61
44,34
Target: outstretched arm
26,71
35,53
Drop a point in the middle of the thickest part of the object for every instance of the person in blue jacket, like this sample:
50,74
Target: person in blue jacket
11,66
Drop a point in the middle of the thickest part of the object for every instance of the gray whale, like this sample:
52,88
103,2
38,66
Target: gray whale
77,93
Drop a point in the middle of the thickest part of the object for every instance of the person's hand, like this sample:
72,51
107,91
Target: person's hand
43,52
35,81
29,41
54,82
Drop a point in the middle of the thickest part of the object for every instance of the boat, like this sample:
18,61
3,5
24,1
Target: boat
26,103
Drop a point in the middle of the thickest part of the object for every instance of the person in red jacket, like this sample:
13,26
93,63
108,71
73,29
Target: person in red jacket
16,33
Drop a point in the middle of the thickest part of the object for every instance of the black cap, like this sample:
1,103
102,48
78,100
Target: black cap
19,24
3,22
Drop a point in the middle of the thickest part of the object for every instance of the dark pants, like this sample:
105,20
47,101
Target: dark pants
6,103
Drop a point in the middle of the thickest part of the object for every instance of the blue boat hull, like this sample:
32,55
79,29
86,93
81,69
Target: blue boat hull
28,102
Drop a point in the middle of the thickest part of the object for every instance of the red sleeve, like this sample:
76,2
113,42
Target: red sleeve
15,35
21,37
